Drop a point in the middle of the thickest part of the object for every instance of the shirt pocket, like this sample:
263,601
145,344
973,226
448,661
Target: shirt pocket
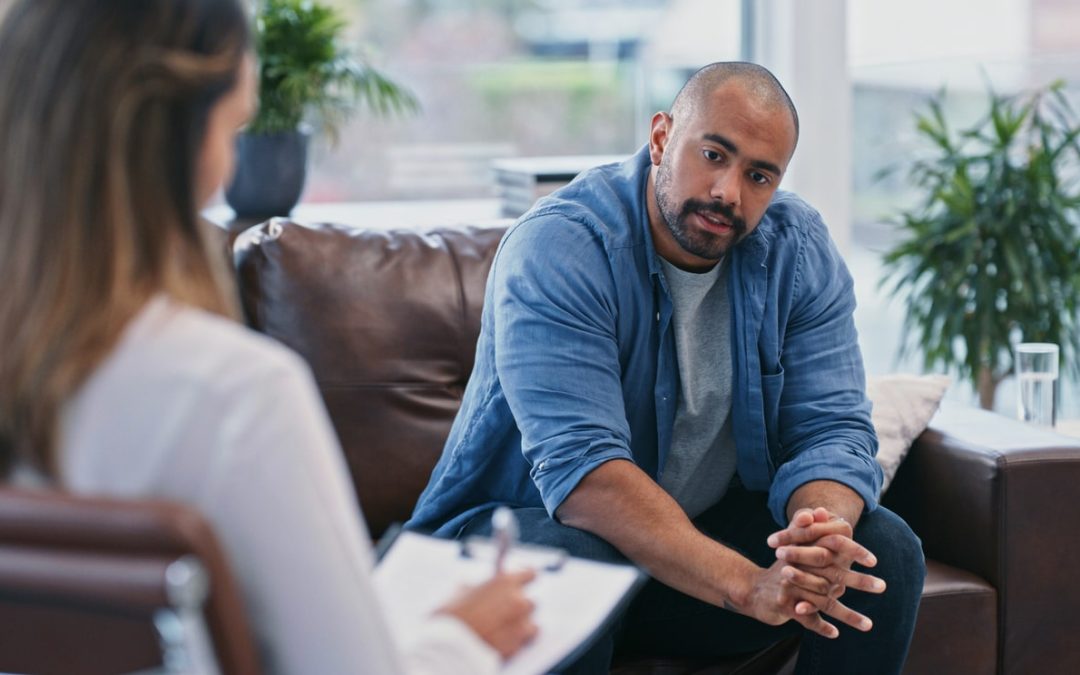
772,388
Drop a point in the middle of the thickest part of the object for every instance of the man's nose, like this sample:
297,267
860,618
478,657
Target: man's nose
726,187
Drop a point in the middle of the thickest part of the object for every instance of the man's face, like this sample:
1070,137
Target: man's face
715,173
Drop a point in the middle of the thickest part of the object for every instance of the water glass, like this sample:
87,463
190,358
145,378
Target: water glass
1036,375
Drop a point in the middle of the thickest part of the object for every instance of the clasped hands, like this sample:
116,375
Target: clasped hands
812,571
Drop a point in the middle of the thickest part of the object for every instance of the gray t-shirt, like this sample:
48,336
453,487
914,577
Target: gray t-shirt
701,461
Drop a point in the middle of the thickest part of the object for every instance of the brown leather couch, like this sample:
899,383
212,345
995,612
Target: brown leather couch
388,320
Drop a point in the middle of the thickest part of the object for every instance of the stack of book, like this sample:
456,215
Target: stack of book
523,180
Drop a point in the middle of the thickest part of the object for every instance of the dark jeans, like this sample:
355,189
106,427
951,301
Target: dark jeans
664,622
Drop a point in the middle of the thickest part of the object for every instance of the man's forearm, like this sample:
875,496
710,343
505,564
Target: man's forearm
837,498
621,504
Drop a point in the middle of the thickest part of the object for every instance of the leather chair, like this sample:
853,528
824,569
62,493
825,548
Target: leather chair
388,321
91,585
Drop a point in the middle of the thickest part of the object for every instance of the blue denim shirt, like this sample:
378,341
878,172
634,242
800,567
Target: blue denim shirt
576,364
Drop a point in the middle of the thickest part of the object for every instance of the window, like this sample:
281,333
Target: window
901,54
508,78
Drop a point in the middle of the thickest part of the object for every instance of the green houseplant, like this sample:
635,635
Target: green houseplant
306,77
991,255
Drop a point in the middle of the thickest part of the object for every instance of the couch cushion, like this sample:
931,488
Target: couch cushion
388,321
903,406
956,631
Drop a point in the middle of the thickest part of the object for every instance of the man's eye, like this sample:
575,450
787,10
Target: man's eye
759,178
711,155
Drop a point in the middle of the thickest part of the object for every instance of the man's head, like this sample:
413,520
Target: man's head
718,157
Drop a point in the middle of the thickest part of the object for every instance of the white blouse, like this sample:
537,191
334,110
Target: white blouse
195,408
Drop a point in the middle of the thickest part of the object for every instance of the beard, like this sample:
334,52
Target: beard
693,239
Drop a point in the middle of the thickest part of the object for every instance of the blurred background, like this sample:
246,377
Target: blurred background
501,79
504,78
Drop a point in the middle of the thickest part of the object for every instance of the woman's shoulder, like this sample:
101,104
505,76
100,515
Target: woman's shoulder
171,399
175,340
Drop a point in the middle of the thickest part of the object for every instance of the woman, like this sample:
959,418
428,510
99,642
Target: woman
122,371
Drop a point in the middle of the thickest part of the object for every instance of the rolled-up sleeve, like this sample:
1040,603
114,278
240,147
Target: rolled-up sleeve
556,351
825,431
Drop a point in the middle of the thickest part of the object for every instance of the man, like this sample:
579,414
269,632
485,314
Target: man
667,370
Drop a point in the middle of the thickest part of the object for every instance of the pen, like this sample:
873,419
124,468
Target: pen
504,531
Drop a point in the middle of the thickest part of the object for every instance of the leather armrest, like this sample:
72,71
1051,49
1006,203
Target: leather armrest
101,581
1000,498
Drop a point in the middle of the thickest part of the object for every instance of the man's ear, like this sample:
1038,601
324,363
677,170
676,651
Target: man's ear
658,136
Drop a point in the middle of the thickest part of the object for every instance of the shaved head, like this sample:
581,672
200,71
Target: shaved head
718,158
758,82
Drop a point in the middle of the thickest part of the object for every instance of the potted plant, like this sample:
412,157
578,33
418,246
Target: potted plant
991,255
306,77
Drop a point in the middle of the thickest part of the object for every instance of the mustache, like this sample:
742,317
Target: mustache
718,208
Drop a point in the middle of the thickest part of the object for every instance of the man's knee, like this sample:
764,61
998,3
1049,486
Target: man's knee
535,526
897,548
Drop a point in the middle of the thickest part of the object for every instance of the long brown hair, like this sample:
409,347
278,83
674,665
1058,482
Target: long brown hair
103,109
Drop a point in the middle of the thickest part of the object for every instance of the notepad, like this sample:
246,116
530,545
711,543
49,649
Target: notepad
574,597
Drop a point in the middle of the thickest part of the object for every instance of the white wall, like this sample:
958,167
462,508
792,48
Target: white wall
805,45
883,32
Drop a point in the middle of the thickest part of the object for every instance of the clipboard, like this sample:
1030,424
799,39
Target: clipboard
577,600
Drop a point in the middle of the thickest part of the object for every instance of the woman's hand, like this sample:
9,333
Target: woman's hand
498,611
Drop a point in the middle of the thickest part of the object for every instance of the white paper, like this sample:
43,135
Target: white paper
420,574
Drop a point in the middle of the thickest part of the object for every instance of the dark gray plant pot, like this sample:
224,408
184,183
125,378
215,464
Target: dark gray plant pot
270,174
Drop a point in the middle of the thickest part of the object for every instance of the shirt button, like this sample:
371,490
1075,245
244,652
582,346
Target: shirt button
658,316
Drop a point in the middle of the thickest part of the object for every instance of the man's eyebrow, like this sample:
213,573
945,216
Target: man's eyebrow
724,141
734,149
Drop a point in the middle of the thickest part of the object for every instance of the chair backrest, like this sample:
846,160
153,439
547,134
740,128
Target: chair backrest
388,321
92,585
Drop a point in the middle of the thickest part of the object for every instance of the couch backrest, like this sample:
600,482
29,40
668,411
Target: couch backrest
388,321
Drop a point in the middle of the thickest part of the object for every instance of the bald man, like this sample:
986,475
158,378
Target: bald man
668,372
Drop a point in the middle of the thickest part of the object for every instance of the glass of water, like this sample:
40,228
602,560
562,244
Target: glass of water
1036,375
